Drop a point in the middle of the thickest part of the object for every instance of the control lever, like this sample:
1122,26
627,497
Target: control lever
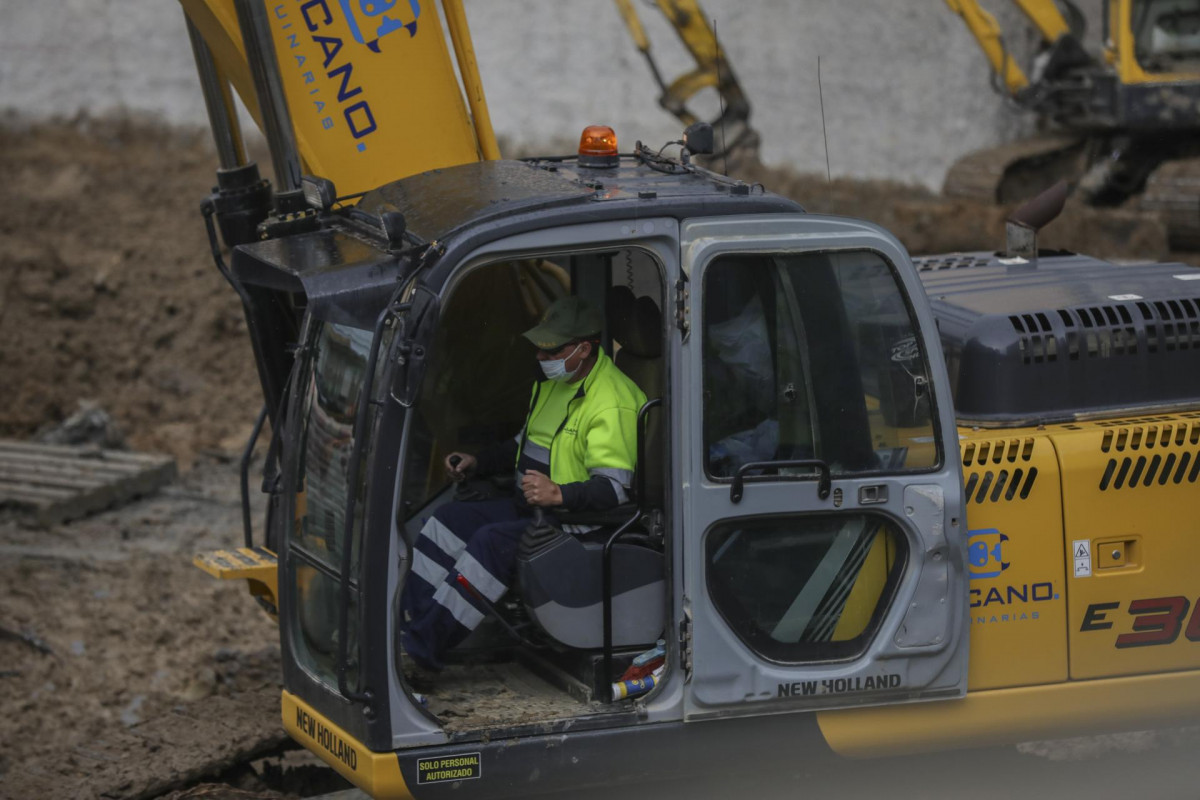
454,461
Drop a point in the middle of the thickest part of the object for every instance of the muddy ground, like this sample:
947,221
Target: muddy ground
125,672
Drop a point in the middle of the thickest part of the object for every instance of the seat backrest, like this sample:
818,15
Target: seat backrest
635,323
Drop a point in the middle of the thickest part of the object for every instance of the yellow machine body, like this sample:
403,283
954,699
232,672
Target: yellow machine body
1088,528
1083,599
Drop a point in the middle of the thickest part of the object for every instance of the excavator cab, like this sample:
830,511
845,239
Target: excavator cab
794,539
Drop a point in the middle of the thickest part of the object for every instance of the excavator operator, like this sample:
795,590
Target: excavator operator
576,452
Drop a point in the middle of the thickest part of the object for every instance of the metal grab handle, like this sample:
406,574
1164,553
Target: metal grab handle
606,579
824,485
640,472
244,476
607,555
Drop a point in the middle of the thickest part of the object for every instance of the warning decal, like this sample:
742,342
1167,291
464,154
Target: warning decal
459,767
1081,552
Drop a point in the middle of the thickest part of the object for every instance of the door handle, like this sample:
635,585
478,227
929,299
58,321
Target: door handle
1114,554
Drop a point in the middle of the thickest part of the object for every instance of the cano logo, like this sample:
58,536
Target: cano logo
985,553
377,20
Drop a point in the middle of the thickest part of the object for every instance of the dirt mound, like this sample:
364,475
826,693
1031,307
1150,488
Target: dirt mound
107,292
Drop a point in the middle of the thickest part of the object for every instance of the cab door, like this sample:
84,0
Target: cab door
823,516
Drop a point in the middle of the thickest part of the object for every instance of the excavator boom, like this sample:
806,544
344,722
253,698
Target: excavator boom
986,30
369,89
712,71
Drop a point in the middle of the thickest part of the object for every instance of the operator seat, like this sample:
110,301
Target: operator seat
560,574
636,324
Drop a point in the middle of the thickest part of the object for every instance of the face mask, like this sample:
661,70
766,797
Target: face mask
556,370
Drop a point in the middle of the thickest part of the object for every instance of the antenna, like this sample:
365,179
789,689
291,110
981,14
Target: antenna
721,100
824,133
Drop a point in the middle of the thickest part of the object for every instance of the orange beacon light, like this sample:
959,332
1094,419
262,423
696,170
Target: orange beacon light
598,147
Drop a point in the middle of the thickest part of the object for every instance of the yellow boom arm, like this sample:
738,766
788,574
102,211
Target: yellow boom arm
1044,15
986,30
1046,18
371,90
712,71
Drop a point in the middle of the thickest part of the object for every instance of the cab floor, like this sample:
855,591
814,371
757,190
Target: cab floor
467,697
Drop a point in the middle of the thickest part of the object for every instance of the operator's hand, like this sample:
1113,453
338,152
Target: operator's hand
463,464
540,490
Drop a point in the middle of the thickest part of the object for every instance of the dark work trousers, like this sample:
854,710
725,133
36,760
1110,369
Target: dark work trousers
475,540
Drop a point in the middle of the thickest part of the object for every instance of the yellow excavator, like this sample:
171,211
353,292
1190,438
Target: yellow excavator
1117,123
881,505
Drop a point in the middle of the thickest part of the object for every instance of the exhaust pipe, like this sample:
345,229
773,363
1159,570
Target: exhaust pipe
1023,225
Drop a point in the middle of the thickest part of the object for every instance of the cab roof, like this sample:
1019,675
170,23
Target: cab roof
347,272
441,202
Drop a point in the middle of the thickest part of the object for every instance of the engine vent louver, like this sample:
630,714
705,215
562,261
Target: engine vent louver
997,451
934,263
1177,323
989,486
1161,455
1108,331
1147,470
1153,432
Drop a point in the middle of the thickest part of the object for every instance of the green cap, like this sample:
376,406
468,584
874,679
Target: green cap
567,319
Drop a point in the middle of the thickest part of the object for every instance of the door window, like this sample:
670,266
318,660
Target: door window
813,356
802,589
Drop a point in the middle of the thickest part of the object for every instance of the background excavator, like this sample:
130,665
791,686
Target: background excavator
1117,122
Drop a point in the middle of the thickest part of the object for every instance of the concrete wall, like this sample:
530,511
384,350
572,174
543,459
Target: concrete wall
905,89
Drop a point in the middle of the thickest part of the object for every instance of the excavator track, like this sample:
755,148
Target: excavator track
1173,192
1015,171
